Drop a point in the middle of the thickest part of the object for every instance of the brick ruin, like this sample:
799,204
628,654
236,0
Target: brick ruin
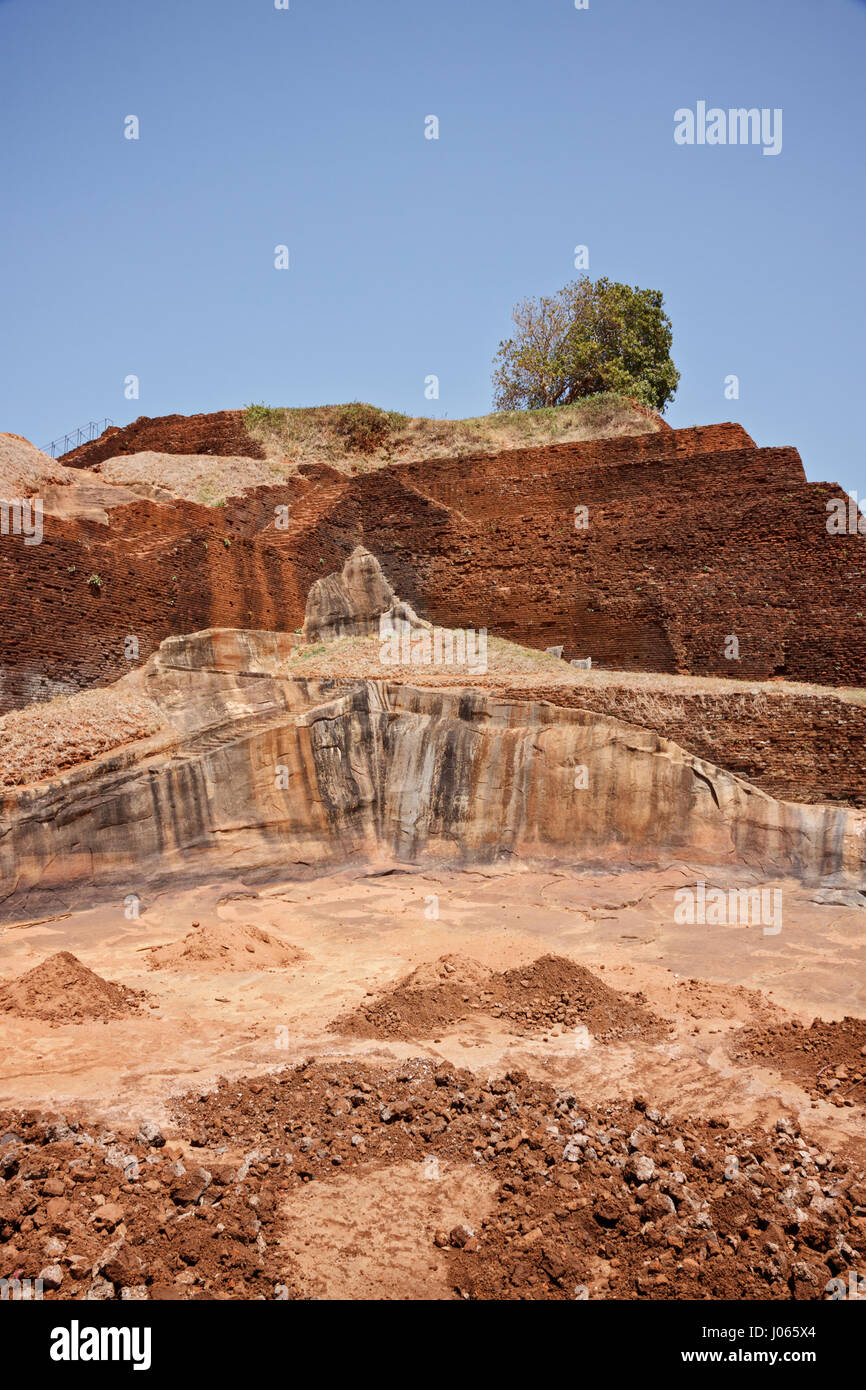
693,535
220,432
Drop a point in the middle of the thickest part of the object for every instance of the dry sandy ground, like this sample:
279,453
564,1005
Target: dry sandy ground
348,936
650,691
206,479
374,1237
361,932
43,739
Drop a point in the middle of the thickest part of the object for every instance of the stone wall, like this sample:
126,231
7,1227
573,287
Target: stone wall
694,536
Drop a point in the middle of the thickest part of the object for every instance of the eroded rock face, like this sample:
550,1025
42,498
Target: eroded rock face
261,770
25,470
354,602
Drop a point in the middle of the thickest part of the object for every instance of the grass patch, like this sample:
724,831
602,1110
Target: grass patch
357,436
268,417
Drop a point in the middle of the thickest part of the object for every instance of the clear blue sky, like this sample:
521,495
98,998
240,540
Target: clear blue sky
306,127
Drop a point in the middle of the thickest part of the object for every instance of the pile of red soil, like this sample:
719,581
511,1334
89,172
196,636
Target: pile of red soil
552,991
619,1201
613,1202
827,1059
222,433
223,946
100,1215
62,990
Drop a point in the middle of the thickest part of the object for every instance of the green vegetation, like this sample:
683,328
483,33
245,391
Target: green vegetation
357,436
208,495
366,428
263,416
590,337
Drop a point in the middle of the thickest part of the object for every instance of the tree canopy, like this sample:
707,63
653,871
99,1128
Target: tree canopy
590,337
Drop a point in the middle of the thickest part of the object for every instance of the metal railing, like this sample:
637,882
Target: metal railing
83,435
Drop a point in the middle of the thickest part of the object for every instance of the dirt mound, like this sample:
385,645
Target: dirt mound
555,990
618,1201
222,432
63,990
453,970
552,991
221,946
827,1059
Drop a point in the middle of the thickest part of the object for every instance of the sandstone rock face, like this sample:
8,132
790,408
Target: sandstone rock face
354,602
25,470
264,771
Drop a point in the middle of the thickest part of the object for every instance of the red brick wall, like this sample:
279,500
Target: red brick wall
693,535
222,432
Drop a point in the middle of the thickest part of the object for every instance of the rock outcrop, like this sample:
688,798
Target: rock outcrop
26,470
258,770
354,602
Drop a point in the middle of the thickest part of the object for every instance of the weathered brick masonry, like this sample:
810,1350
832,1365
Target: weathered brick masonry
795,747
694,535
221,432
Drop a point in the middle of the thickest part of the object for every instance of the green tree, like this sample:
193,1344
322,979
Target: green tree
592,336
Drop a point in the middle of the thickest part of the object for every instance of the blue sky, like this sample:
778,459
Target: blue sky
305,127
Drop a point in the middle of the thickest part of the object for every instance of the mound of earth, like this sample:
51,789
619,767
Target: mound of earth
551,992
618,1201
63,990
827,1059
221,946
615,1201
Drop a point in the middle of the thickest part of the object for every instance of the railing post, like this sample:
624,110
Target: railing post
84,434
